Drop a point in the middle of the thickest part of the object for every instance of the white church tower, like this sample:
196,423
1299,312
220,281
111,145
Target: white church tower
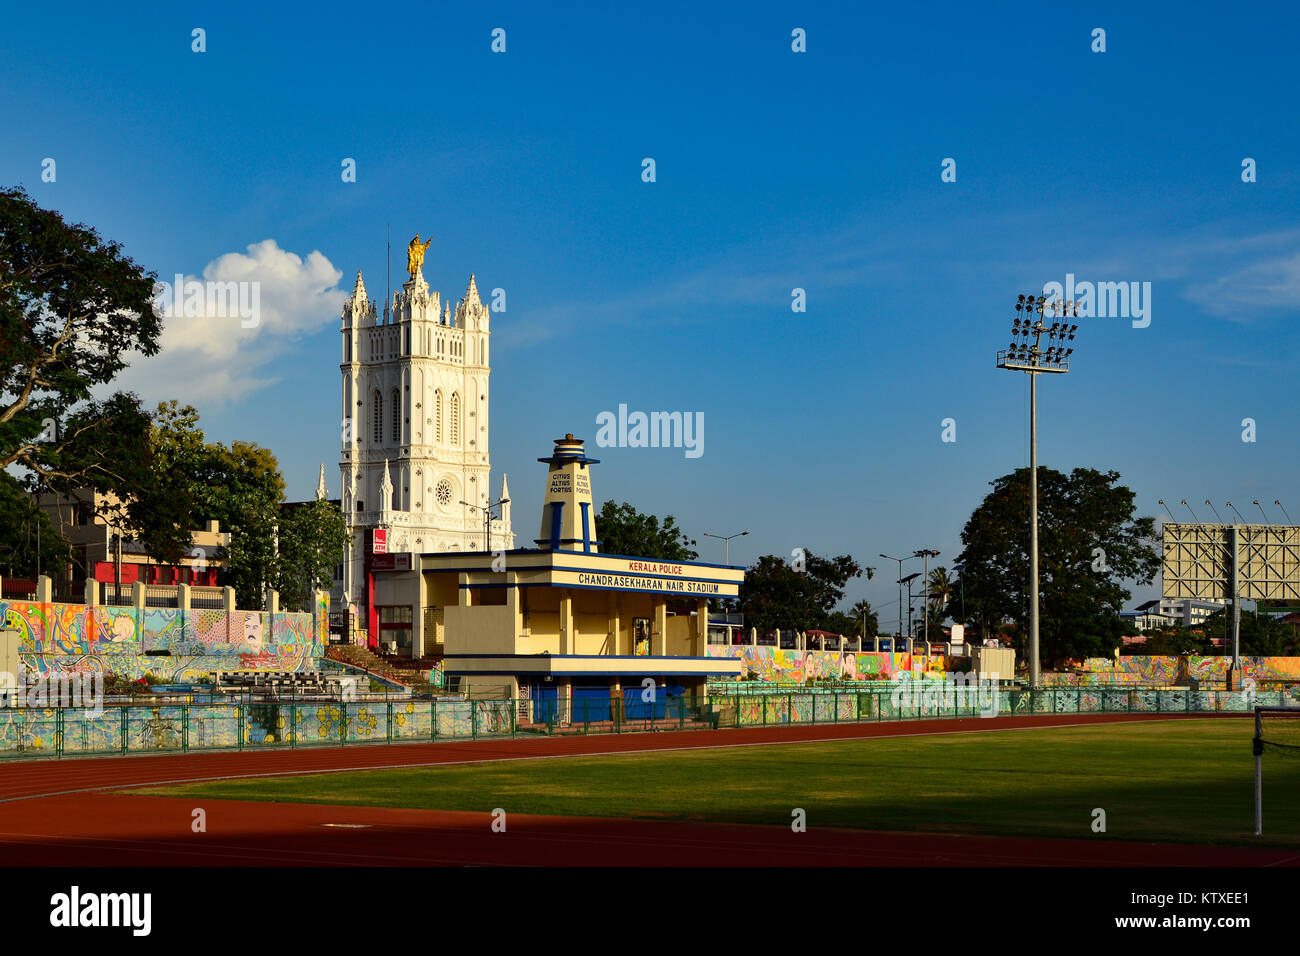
415,461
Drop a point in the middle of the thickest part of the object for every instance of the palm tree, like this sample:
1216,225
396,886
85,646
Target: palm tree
868,625
940,589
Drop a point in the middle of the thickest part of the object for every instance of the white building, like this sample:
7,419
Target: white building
415,463
1166,612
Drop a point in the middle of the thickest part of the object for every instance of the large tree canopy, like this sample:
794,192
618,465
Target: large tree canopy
624,530
798,596
72,310
240,486
29,542
1090,543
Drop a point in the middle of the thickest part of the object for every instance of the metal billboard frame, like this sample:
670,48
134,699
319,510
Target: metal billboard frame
1230,563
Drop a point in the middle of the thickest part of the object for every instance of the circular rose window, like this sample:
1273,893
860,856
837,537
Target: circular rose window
444,492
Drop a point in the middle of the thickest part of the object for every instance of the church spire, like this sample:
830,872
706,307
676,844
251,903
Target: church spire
386,490
359,290
321,492
471,294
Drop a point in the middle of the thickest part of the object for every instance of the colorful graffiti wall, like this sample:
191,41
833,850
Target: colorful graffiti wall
172,644
795,667
1170,671
202,726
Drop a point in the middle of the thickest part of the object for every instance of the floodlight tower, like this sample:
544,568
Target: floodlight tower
1026,354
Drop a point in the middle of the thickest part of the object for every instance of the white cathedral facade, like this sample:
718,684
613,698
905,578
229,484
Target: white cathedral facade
415,461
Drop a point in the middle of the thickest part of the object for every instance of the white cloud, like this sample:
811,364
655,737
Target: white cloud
216,358
1271,284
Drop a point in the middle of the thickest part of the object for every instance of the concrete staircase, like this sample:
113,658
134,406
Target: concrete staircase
401,670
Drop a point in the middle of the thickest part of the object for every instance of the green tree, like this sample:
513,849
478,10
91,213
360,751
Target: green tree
312,539
624,530
850,623
73,309
240,486
1174,641
24,548
1090,543
795,597
939,593
1261,634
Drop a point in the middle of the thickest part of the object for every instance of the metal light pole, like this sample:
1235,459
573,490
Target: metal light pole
726,539
1026,354
960,568
908,581
900,590
925,584
487,518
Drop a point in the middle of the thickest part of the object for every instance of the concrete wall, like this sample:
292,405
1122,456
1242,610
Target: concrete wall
128,641
480,630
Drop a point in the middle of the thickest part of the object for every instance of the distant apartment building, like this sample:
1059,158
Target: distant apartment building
1165,612
103,552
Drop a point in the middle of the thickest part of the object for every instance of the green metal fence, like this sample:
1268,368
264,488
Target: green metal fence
266,724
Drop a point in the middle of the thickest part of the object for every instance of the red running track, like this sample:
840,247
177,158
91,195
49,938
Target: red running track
64,814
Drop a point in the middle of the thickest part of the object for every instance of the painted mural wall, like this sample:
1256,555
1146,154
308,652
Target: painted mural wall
202,726
1168,670
126,641
795,667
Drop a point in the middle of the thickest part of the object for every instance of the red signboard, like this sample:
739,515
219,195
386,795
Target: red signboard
391,562
379,541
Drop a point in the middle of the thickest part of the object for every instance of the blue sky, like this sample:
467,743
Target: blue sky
775,170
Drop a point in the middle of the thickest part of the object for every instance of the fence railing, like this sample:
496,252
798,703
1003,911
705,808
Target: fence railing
192,722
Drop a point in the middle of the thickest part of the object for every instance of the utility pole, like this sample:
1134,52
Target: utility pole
900,561
927,554
487,518
726,539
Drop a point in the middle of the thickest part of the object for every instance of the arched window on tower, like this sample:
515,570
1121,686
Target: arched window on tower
437,416
397,418
378,402
455,418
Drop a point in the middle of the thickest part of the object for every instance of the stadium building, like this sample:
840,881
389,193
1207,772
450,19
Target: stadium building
562,621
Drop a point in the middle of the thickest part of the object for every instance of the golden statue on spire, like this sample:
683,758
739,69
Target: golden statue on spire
415,255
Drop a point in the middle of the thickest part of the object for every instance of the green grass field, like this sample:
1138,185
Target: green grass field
1189,781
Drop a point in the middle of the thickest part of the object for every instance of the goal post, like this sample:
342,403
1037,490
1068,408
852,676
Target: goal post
1277,731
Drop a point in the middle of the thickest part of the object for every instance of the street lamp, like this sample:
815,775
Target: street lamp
960,568
487,518
900,590
908,581
726,539
925,583
1026,354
